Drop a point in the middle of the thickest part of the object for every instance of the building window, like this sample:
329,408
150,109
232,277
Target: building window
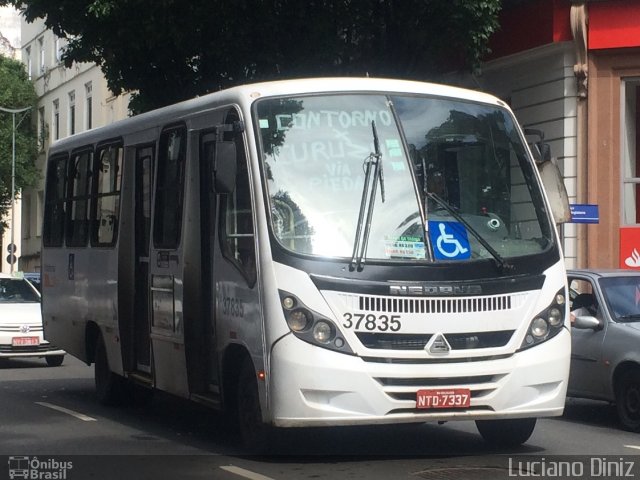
26,216
39,213
42,129
58,50
630,152
41,68
56,119
88,106
72,112
28,61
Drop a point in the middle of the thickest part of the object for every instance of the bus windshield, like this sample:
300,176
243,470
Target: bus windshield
454,181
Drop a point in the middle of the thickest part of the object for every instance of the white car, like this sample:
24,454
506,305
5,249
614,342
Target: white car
21,322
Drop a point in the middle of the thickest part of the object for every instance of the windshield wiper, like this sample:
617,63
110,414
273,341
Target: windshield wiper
373,169
630,316
500,262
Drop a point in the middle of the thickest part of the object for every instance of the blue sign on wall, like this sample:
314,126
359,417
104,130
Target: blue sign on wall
584,213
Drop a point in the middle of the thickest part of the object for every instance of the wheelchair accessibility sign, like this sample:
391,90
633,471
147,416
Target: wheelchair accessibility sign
449,240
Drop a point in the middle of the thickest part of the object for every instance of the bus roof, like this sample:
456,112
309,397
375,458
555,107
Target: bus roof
245,95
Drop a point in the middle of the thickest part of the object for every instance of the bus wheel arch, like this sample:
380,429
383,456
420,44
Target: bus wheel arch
111,388
242,399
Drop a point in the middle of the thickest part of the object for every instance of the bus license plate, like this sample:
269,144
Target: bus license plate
23,341
445,398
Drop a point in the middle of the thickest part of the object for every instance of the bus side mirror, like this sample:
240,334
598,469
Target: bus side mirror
550,175
540,150
225,167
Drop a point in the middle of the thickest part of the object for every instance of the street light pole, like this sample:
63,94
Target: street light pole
13,112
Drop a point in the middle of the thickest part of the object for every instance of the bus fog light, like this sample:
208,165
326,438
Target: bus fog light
322,332
560,299
555,317
298,320
288,303
539,327
339,342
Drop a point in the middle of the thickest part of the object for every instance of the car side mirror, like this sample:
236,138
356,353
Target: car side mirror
586,322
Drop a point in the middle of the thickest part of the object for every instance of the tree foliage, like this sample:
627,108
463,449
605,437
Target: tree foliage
16,92
170,50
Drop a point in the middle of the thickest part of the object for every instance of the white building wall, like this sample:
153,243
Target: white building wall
541,88
56,84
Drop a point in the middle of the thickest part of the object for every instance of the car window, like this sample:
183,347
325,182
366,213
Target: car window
583,300
16,290
623,297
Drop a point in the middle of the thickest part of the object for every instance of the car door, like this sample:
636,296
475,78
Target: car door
588,370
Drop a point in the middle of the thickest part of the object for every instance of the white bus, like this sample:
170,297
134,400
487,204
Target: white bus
317,252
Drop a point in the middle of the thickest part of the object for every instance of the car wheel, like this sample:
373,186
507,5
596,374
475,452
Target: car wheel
54,360
628,400
507,432
254,433
110,387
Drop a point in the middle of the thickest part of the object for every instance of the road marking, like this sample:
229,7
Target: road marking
79,416
245,473
636,447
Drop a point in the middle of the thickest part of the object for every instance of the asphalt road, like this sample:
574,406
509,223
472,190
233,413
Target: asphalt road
49,418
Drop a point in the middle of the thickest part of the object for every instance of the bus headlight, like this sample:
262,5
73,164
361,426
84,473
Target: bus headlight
546,324
298,320
311,326
322,332
539,327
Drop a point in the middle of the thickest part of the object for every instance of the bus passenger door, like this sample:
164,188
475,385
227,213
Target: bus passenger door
143,189
208,199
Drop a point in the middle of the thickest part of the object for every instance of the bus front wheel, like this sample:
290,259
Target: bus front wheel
506,432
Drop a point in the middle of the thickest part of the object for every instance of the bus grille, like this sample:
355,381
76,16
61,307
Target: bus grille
457,341
434,305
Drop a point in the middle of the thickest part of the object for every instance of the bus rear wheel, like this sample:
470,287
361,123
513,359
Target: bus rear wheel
506,432
254,433
109,386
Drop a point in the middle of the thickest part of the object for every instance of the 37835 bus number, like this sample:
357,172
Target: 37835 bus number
371,322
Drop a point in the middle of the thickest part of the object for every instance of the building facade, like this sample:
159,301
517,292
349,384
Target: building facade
70,100
572,69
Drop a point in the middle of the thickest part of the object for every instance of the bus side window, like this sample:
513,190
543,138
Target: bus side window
79,172
237,230
53,232
108,168
167,221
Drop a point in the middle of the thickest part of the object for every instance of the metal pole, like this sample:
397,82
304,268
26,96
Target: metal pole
14,112
13,188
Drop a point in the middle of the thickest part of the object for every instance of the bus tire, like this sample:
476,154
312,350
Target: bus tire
254,433
627,395
54,360
506,432
109,386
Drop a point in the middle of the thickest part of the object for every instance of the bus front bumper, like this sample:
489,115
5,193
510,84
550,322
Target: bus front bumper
312,386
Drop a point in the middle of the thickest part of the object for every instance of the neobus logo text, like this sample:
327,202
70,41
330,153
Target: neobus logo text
435,289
